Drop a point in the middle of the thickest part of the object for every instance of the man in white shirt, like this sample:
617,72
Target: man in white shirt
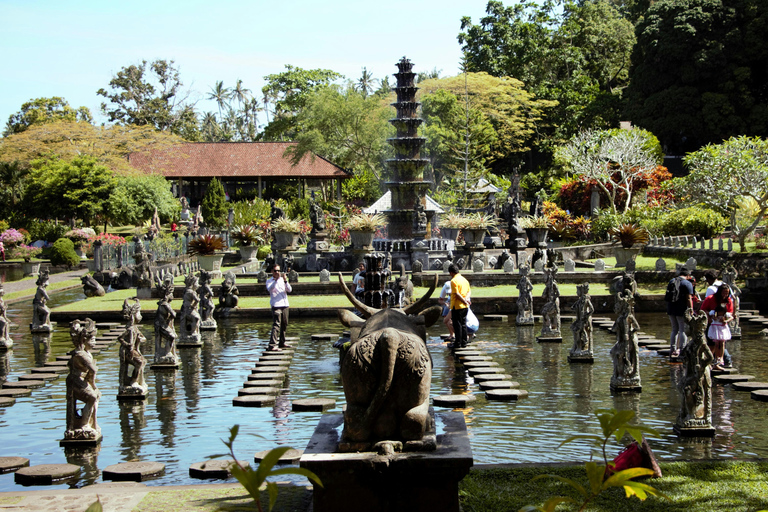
445,301
712,281
359,281
278,288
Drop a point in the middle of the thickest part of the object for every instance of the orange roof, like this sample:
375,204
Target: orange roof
226,160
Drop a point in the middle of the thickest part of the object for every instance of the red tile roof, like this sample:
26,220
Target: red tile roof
225,160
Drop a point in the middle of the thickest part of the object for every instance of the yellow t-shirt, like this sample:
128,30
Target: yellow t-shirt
459,286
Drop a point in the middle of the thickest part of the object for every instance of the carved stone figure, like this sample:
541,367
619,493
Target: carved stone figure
275,212
386,374
91,287
624,283
316,217
5,336
41,315
403,288
695,417
582,326
143,261
550,312
626,364
81,385
207,322
189,317
419,219
729,277
525,298
131,380
165,334
228,296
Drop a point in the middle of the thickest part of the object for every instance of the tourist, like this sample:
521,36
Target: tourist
679,299
359,282
278,288
2,251
174,227
719,332
445,301
723,299
713,283
459,306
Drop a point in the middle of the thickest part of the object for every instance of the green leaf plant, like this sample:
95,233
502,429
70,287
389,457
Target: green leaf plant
255,480
601,476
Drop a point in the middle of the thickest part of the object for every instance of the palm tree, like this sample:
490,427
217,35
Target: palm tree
210,127
13,177
220,95
240,93
366,83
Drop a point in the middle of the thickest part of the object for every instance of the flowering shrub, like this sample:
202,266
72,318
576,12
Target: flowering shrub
79,235
11,238
108,239
25,252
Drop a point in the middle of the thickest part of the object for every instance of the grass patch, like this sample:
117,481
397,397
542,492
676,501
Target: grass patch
30,292
290,498
642,262
692,487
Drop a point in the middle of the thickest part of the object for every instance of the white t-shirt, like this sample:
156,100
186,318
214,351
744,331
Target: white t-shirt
445,293
359,281
713,288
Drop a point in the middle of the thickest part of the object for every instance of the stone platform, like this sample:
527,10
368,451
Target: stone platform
403,482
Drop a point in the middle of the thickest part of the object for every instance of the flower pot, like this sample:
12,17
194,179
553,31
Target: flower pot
624,255
30,268
248,252
210,262
285,240
537,237
361,239
79,252
450,233
473,237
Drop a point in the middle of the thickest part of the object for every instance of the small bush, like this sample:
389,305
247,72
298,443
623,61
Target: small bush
63,253
263,252
693,221
47,230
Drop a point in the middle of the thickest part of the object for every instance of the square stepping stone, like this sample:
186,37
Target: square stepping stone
258,391
214,469
267,376
133,471
313,404
14,392
45,474
498,384
505,394
26,384
291,456
453,401
491,376
11,464
485,369
253,400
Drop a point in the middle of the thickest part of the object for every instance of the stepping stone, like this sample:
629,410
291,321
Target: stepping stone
63,358
25,384
10,464
253,400
263,384
657,347
453,400
261,364
468,352
280,352
323,337
491,376
479,364
749,386
467,359
479,370
14,392
644,336
724,371
50,369
726,379
213,469
505,394
292,338
6,401
313,404
665,352
133,471
498,384
261,390
276,357
38,376
646,342
269,369
45,474
496,318
107,325
292,456
761,395
267,376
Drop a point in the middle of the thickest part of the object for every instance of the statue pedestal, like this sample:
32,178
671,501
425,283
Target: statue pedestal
549,339
208,325
626,388
703,431
581,358
81,443
410,481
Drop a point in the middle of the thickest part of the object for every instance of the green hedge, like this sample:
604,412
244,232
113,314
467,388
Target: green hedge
63,253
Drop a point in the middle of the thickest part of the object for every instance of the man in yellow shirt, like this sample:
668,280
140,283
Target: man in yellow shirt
459,306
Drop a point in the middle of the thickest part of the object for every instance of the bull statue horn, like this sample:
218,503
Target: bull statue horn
419,304
366,311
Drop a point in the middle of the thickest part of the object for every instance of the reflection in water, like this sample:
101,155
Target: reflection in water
87,459
165,385
190,376
5,364
42,345
582,388
212,347
132,422
550,363
628,402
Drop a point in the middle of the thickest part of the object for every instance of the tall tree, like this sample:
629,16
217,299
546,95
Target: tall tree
220,95
134,198
45,110
153,97
366,82
699,71
214,204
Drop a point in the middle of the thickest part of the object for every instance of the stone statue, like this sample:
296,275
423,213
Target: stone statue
184,209
189,317
275,211
131,381
550,312
143,260
165,334
154,227
696,385
729,277
91,287
525,299
582,325
5,324
316,216
626,364
41,315
620,284
419,219
81,385
228,296
207,322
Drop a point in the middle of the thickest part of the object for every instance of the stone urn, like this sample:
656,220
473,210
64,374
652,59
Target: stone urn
450,233
537,237
210,262
30,268
79,251
623,255
248,252
361,239
285,240
473,237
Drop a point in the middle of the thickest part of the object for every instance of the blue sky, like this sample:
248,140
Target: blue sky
72,48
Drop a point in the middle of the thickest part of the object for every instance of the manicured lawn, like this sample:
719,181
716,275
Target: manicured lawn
61,285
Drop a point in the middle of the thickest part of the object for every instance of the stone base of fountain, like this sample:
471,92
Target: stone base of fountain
694,431
581,358
549,339
81,443
410,481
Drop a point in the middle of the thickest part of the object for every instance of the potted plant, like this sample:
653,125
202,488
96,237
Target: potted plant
79,236
560,233
208,249
536,228
285,232
248,238
450,225
628,235
474,226
362,229
27,252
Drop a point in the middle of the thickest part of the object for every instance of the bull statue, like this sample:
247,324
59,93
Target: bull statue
386,375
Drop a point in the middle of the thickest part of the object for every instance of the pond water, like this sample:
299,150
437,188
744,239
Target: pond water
189,411
10,274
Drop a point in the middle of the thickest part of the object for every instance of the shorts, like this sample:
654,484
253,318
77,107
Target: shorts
446,310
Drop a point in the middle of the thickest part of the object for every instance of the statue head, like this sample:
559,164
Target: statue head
132,312
190,281
82,332
42,278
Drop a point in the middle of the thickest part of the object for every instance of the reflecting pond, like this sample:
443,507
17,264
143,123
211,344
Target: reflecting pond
190,410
